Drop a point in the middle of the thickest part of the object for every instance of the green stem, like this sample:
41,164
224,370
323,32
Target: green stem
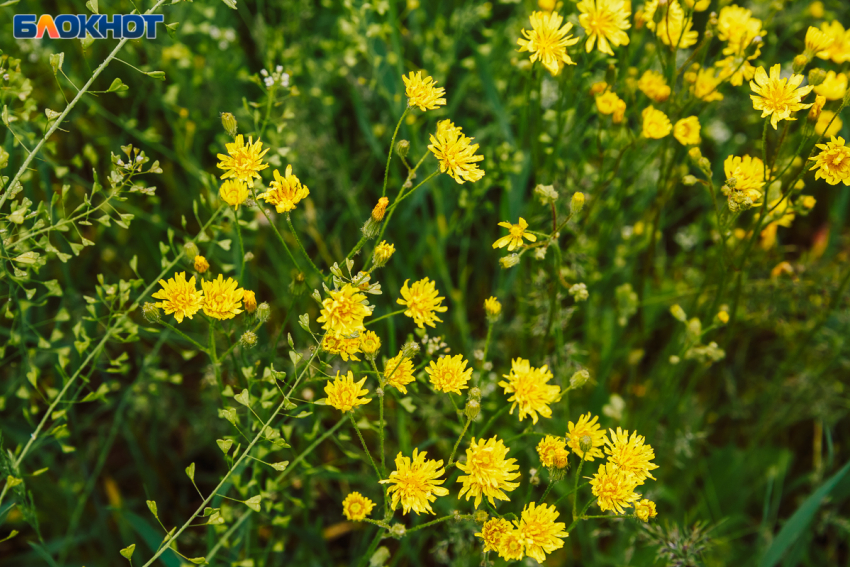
548,489
390,153
241,248
487,344
198,345
402,197
213,357
298,240
457,444
439,520
387,316
381,431
363,442
575,485
276,231
364,560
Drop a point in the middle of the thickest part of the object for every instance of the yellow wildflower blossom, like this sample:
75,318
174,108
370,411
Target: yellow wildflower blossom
422,301
686,131
345,394
201,264
839,49
342,313
826,119
833,86
548,41
748,173
222,298
492,532
656,125
511,545
553,452
539,531
455,153
833,162
704,84
423,92
530,389
674,28
614,488
586,426
776,97
630,453
517,233
605,21
416,482
398,372
243,162
449,374
370,342
250,301
645,509
285,192
346,348
383,252
492,306
817,41
606,103
234,192
488,471
179,297
653,85
356,506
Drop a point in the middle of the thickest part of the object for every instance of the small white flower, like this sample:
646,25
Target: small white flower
264,73
284,80
268,81
279,69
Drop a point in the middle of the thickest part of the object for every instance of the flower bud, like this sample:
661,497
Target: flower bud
191,250
579,379
679,313
689,180
585,443
576,203
493,308
800,63
473,407
398,531
370,344
579,292
201,264
380,209
509,261
817,77
546,193
151,312
249,299
229,123
263,312
248,339
723,317
817,107
695,153
371,228
409,350
402,148
297,285
481,517
382,254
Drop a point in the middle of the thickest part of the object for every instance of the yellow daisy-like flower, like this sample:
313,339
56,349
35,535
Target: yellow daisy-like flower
342,313
833,86
416,482
492,532
776,97
179,297
656,125
748,173
455,153
606,103
530,389
686,131
704,84
449,374
347,348
234,192
614,488
817,41
244,162
356,506
826,119
201,264
553,452
422,301
630,454
645,509
605,21
285,192
737,27
370,342
488,471
832,163
619,112
514,239
674,28
423,92
839,49
540,533
735,71
398,372
345,394
222,298
492,306
250,301
586,426
547,41
383,252
511,545
654,85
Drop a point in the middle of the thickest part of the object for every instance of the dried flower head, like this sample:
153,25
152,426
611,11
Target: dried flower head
423,92
179,297
530,389
345,394
243,162
547,41
422,301
416,482
285,192
488,471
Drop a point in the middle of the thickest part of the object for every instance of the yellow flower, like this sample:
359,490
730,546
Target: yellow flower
488,471
606,103
734,70
839,50
179,297
619,112
776,97
598,88
586,427
539,531
655,123
233,192
645,509
347,348
605,21
654,86
422,302
553,452
356,506
449,374
250,301
379,209
809,202
674,28
817,41
342,313
423,92
737,27
833,86
383,252
455,154
492,532
833,162
514,239
492,306
704,84
548,41
630,454
698,5
511,545
614,488
222,298
345,394
415,482
686,131
824,119
370,342
243,162
748,173
285,191
201,264
530,389
398,372
817,107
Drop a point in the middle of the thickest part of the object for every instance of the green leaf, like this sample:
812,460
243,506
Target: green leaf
117,85
172,29
190,472
224,244
13,533
230,4
210,511
254,503
198,561
152,507
799,521
243,398
56,59
53,288
134,264
92,5
127,552
13,481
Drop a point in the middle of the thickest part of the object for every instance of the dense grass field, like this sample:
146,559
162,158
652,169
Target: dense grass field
427,283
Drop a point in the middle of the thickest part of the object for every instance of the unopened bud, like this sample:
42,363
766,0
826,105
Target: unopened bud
383,253
579,379
317,296
201,264
817,107
800,63
248,339
151,313
723,317
191,250
371,228
480,517
249,299
817,77
509,261
473,407
679,313
493,308
229,123
263,312
402,148
585,443
398,531
689,180
380,209
409,350
474,394
576,203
